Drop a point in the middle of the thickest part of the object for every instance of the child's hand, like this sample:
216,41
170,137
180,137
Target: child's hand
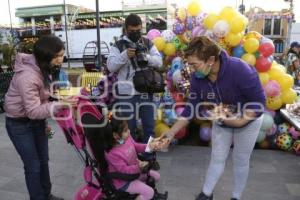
142,164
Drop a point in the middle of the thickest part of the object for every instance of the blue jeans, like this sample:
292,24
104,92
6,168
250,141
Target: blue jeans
139,111
31,142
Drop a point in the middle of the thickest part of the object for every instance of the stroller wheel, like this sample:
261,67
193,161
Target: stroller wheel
160,196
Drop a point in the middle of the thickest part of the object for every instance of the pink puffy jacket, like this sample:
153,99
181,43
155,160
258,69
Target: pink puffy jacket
27,95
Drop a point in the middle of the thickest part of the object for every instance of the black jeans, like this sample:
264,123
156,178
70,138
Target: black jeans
31,142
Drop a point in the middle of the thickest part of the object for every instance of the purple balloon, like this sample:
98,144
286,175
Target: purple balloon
205,134
198,31
200,18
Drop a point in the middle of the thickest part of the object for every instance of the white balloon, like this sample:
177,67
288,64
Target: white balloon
176,77
168,35
221,28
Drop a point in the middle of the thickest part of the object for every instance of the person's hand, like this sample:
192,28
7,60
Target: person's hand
131,52
69,101
163,141
142,164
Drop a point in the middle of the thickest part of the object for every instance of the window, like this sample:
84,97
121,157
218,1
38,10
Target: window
278,46
268,26
276,27
272,27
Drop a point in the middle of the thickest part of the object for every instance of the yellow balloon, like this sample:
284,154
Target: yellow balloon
275,73
194,8
288,96
286,82
161,128
274,103
233,39
228,13
169,49
263,77
237,24
181,14
160,43
210,20
249,58
251,45
159,116
253,34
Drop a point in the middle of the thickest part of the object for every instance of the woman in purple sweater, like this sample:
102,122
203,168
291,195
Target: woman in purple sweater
227,91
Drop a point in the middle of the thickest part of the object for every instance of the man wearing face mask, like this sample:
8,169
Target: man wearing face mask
233,89
123,55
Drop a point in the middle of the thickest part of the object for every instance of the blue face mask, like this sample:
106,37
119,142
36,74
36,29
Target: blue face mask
201,75
121,141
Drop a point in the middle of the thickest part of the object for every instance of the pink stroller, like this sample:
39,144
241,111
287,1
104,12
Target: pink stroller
87,141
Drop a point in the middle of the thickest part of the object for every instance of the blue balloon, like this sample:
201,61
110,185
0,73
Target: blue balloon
238,51
177,64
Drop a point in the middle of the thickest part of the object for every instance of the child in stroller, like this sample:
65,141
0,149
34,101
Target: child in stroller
121,155
89,140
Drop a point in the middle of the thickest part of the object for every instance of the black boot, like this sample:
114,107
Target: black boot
52,197
203,196
233,199
160,196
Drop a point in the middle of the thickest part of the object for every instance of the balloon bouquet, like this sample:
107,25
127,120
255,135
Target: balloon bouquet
227,28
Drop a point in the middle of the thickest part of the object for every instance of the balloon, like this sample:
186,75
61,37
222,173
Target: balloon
180,14
266,49
186,37
228,13
272,131
168,35
178,97
273,103
296,147
284,142
160,43
288,96
179,110
272,89
194,8
271,112
153,33
170,116
198,31
253,34
286,81
160,128
261,136
205,133
178,28
190,23
237,24
263,77
267,122
263,64
176,42
249,58
177,64
238,51
251,45
177,77
232,39
210,20
283,128
294,133
221,28
159,113
200,18
169,49
274,73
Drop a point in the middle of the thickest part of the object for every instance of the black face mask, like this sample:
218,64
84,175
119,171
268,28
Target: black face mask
134,36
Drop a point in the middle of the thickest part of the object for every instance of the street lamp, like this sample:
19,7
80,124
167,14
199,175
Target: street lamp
242,7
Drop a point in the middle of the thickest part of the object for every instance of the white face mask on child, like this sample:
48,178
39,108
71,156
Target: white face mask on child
121,141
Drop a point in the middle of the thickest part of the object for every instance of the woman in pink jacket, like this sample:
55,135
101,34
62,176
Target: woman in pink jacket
27,106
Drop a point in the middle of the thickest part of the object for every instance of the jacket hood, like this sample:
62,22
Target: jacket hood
25,62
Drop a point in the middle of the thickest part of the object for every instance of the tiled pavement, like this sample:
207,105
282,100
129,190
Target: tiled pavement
274,175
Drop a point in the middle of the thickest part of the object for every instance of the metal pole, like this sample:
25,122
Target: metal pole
11,29
66,31
98,61
288,40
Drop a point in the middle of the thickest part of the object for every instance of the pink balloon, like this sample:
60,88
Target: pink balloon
180,134
153,33
272,89
205,133
179,110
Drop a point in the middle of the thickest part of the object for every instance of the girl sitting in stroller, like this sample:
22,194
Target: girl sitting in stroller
121,156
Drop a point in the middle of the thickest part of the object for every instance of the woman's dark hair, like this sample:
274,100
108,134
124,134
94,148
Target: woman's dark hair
44,50
203,48
132,20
